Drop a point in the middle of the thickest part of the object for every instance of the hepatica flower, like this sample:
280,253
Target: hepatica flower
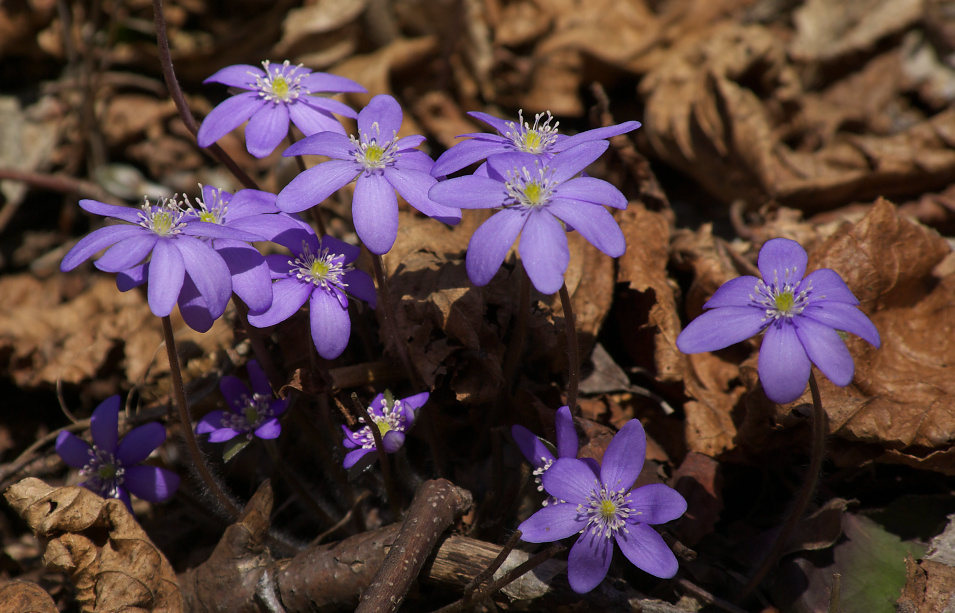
541,138
801,317
168,236
538,454
603,510
251,412
380,163
392,417
538,200
320,272
112,468
275,94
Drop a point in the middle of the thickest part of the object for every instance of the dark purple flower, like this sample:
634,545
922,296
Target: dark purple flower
801,317
392,417
276,94
251,412
113,470
380,163
539,200
184,266
538,139
321,272
605,510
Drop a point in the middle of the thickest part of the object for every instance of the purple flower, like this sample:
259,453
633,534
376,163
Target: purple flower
251,412
801,317
392,417
380,163
539,139
185,268
538,200
113,470
276,95
603,510
538,454
320,271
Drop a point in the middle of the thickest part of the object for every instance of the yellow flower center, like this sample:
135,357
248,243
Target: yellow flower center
319,269
209,216
374,154
532,140
280,87
785,302
106,472
384,427
534,192
607,510
162,223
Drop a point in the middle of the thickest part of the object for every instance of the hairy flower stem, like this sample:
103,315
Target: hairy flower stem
382,457
185,419
516,346
820,429
510,576
391,326
300,490
573,355
165,59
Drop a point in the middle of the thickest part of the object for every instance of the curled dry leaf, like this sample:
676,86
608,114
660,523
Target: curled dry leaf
25,597
700,481
730,110
652,322
107,555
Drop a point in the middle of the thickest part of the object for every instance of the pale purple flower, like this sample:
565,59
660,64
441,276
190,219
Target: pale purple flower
392,417
320,272
539,200
538,139
185,268
801,317
251,412
604,510
380,163
112,468
277,94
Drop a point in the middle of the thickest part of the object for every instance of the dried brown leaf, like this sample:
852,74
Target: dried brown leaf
25,597
96,541
700,481
709,427
650,305
929,587
827,31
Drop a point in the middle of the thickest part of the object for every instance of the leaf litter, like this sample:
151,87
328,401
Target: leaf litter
829,123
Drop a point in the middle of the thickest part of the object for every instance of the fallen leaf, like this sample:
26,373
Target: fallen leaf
25,597
107,555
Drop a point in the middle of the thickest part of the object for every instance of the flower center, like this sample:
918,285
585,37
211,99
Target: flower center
782,300
324,270
165,218
371,153
249,412
607,511
533,139
281,83
104,472
527,190
391,418
213,211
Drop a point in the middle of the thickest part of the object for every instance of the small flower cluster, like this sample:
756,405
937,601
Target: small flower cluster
596,502
250,412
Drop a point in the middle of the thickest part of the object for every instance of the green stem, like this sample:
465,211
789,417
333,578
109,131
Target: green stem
819,431
573,351
185,420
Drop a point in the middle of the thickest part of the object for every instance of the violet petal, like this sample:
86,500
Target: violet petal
783,364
